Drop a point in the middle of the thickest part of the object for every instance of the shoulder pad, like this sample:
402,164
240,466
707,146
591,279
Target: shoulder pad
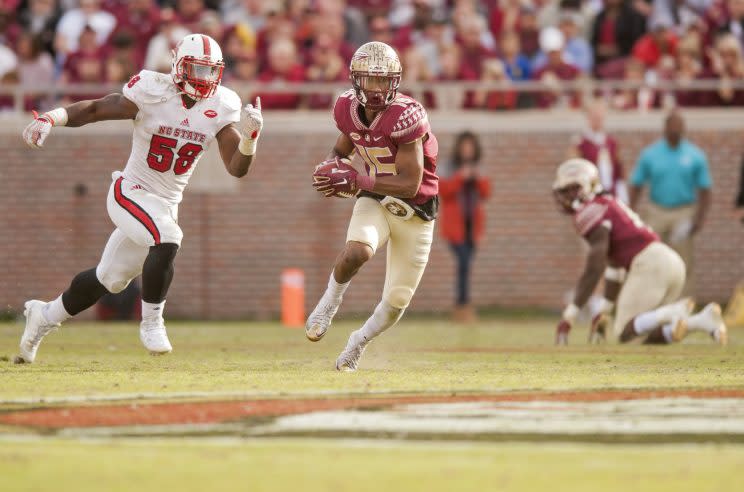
229,98
148,87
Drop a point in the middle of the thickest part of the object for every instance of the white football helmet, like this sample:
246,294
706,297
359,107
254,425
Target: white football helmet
576,181
197,66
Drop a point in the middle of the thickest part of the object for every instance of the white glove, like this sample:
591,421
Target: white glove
37,131
250,125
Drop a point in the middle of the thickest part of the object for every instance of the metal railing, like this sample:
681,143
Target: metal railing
448,95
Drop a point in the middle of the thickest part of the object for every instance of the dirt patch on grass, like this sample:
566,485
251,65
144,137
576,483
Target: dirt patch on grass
211,412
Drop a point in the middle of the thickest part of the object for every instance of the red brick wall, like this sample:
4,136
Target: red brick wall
236,244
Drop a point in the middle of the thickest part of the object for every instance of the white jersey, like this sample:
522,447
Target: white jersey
169,138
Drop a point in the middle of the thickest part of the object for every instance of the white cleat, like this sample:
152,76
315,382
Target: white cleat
154,337
320,319
710,320
681,309
680,330
37,327
348,361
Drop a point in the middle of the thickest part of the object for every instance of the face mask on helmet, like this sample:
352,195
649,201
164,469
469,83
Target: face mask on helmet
375,92
200,77
568,198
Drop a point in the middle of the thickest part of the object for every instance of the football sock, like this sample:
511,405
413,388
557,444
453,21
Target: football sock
697,322
84,291
382,318
656,337
667,331
646,322
335,291
54,312
151,311
157,272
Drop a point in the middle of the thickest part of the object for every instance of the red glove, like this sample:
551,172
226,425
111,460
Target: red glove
561,332
336,177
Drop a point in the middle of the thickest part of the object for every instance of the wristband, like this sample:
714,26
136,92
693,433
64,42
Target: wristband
615,274
58,117
365,183
247,146
570,313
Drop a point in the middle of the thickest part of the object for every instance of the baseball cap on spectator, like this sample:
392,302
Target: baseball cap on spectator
551,39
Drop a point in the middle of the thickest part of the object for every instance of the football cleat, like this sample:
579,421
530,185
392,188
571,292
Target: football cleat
710,320
598,330
320,319
37,327
348,360
680,330
561,332
154,337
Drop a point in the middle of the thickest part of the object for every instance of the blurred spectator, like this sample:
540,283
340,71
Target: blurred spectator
474,51
277,27
727,65
517,65
529,33
682,14
35,68
158,56
84,66
616,29
494,71
643,97
251,13
8,62
331,30
326,65
689,69
73,22
138,20
598,147
380,30
506,17
462,214
40,18
725,16
555,70
283,67
676,172
577,50
355,30
211,25
239,42
189,13
659,43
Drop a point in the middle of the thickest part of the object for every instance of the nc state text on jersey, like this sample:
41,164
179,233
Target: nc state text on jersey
181,133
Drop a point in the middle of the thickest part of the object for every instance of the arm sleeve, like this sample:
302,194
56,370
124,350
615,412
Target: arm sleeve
134,90
412,124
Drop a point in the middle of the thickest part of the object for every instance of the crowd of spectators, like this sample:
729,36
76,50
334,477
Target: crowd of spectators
44,42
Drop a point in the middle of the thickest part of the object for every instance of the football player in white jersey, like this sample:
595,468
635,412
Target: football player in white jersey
176,117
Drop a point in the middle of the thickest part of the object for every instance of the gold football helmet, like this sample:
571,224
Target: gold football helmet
576,181
375,75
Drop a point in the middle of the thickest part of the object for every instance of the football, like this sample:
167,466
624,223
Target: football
325,168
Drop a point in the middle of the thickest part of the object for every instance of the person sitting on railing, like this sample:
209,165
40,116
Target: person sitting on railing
727,64
555,70
283,67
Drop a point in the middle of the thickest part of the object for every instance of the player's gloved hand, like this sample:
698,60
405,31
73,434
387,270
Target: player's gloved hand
337,177
37,131
564,326
250,126
601,322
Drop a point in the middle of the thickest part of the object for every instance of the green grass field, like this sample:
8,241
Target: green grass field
418,356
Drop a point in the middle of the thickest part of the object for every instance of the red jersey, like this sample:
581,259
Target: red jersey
404,121
628,234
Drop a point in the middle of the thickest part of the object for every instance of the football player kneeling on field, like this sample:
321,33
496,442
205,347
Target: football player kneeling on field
643,276
397,193
175,117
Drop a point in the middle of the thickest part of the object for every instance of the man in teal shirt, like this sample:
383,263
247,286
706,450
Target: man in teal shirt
676,172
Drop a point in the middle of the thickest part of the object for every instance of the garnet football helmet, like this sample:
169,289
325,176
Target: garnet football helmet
375,75
576,182
197,66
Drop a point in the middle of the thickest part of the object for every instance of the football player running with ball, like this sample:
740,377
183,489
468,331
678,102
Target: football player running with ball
397,195
176,117
643,276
